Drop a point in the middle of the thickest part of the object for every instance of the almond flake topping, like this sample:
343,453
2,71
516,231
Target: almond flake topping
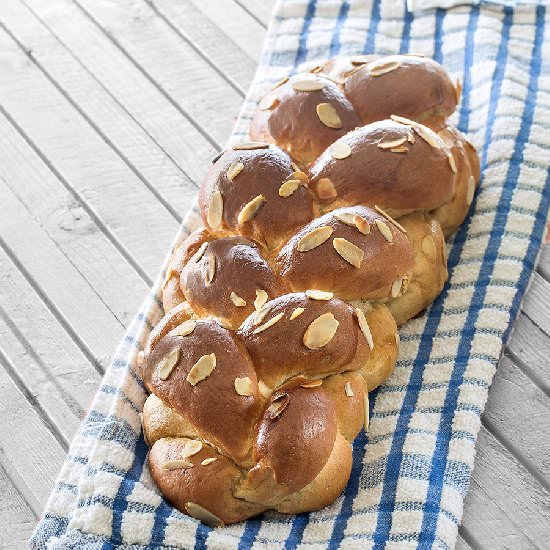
364,326
348,389
403,120
268,102
346,217
261,299
326,189
202,514
389,218
367,412
250,208
234,170
391,144
397,341
328,115
428,247
243,386
311,384
210,268
299,175
351,253
320,331
314,238
177,465
186,328
265,390
297,312
429,136
471,190
340,150
200,252
237,300
140,358
208,461
458,90
191,447
400,149
249,145
308,85
277,406
166,365
319,294
452,163
215,210
396,287
385,230
362,224
268,324
288,187
379,68
280,82
202,369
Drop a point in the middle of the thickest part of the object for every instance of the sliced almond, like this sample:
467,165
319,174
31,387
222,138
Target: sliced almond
280,82
215,210
166,365
366,409
320,331
191,447
458,91
328,115
234,170
169,272
202,369
348,389
299,175
277,406
471,190
140,357
410,138
429,136
311,384
265,390
392,144
396,287
319,294
208,461
364,327
314,238
177,465
308,84
268,102
379,68
346,217
202,514
243,386
388,217
269,323
200,252
260,314
403,120
400,149
452,163
261,299
362,224
351,253
186,328
397,341
340,150
428,247
237,300
297,312
385,230
210,268
288,187
326,189
250,209
249,145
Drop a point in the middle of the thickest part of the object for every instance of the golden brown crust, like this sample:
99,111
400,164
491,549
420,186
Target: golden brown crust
405,176
238,271
413,87
241,176
292,119
382,263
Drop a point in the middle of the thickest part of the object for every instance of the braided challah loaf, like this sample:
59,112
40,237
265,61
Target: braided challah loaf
282,312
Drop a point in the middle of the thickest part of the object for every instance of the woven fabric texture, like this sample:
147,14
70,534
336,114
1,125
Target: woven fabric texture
411,471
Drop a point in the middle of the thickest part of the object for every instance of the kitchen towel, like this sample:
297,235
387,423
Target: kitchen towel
411,471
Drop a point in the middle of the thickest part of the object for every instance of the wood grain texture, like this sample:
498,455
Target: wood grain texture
110,114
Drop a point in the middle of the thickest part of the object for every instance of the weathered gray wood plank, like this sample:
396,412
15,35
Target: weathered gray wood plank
259,9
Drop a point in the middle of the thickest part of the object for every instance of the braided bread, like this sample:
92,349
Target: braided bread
319,239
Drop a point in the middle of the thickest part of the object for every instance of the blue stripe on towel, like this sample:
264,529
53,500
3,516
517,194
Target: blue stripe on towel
431,509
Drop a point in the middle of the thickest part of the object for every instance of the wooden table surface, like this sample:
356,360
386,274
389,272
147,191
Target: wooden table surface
109,113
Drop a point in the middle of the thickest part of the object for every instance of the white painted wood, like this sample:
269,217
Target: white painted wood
260,10
157,114
164,178
171,63
16,518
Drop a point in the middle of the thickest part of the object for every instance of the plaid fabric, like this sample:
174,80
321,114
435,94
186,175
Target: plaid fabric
411,471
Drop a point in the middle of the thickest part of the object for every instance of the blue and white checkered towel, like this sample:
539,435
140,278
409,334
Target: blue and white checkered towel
411,471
